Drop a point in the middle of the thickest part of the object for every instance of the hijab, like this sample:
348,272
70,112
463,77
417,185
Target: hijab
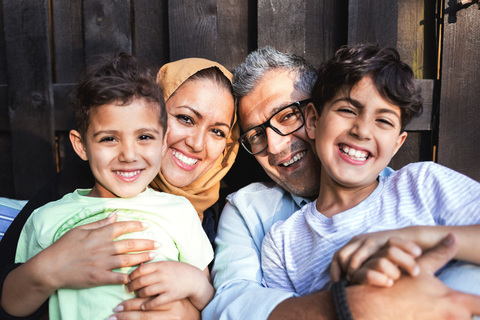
204,191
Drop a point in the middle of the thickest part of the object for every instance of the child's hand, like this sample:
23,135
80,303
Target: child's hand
376,259
168,281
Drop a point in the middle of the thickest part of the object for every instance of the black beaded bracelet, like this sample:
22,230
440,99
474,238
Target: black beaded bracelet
340,302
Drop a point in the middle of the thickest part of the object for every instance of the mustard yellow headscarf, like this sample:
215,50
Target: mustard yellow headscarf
203,192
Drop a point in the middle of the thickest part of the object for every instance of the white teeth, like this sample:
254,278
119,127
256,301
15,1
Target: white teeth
128,174
297,157
354,154
184,159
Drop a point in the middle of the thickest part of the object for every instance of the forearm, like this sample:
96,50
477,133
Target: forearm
205,292
24,290
468,238
315,306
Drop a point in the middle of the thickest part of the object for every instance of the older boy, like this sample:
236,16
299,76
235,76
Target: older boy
364,97
122,124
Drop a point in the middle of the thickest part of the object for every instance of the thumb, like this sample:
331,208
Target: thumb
101,223
439,255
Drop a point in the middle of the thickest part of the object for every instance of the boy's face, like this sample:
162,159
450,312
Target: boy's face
356,136
124,145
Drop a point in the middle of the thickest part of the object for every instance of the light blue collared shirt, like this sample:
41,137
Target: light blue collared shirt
237,275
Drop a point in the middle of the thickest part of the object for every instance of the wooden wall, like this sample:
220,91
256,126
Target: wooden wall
44,44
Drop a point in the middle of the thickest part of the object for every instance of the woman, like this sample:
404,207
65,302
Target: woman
202,145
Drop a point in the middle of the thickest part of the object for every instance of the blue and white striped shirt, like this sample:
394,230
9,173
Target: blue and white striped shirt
296,253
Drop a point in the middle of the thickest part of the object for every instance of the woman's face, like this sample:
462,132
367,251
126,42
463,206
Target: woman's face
199,117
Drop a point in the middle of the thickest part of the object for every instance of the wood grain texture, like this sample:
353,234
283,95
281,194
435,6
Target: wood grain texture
29,93
150,31
107,27
232,32
459,123
67,41
193,29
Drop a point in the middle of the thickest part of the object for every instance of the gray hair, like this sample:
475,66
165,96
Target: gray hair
248,74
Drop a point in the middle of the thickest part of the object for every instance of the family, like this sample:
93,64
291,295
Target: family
336,235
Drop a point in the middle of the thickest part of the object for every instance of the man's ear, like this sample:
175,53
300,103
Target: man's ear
311,116
78,145
400,140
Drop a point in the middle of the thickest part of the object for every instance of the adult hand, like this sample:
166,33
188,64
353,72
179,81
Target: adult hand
83,257
86,255
179,309
420,297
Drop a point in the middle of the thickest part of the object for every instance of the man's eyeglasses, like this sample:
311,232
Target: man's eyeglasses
284,122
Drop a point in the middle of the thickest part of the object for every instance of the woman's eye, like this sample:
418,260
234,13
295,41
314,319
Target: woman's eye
185,119
219,133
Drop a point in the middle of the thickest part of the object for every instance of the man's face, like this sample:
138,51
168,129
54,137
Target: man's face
288,160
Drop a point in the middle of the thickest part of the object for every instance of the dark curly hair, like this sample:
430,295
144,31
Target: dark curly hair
118,78
393,78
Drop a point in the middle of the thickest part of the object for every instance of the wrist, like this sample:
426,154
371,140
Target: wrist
340,302
42,276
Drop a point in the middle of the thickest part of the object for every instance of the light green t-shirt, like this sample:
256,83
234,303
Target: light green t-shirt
172,221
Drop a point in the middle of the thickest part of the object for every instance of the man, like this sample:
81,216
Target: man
271,87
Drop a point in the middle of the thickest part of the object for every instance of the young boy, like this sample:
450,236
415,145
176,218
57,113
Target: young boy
122,123
362,101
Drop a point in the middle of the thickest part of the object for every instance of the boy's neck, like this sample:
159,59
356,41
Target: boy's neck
334,198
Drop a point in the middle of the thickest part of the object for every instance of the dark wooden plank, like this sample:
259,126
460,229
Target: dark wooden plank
281,24
192,29
64,119
3,72
325,29
150,33
6,166
30,94
303,27
4,118
67,40
373,21
459,123
232,37
107,27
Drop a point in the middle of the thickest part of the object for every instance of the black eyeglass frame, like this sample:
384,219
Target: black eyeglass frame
267,124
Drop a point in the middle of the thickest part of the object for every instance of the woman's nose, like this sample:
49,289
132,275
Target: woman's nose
196,140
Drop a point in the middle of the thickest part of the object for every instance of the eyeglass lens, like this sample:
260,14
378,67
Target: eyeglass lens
284,122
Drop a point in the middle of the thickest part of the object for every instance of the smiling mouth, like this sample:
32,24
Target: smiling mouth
128,174
354,154
296,158
184,159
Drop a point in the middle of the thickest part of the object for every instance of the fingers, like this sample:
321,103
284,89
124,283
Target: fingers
98,224
403,253
372,278
135,245
129,260
145,269
439,255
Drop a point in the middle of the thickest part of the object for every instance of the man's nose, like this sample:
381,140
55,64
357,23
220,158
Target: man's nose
276,142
